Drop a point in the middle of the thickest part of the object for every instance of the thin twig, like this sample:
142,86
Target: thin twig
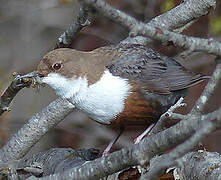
9,94
67,37
169,114
208,90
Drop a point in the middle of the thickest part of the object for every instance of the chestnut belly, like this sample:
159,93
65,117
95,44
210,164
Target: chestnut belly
138,111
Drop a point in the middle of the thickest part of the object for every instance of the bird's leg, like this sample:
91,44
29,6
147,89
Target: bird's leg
110,145
146,132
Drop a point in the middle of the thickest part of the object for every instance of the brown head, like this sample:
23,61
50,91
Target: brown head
66,62
71,63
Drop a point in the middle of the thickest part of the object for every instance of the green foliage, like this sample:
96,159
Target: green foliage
215,25
167,5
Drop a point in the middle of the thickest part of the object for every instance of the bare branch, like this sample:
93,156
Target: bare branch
12,90
176,18
57,160
169,114
140,153
208,91
49,162
67,37
201,165
161,163
34,129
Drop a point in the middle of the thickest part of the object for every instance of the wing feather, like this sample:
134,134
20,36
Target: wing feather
152,71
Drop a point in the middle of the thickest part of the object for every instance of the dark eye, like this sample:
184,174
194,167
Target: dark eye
56,66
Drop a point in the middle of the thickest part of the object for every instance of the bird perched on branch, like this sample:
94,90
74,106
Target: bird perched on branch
121,86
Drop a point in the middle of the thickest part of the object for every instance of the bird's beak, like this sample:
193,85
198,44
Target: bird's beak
35,76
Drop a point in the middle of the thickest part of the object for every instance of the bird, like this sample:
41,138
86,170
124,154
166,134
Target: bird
122,86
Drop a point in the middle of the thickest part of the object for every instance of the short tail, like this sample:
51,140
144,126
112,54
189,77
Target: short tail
197,79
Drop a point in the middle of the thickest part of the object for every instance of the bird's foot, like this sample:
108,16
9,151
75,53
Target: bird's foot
146,132
110,145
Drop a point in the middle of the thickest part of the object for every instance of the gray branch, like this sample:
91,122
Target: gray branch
67,37
34,129
158,33
49,162
185,13
161,163
200,165
209,89
140,153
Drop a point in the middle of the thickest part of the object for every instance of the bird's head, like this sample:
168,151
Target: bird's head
62,70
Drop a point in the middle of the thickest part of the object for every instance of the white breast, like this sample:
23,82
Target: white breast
101,101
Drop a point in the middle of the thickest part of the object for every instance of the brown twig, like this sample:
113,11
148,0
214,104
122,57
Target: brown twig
9,94
67,37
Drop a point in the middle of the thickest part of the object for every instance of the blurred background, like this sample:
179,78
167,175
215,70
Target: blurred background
28,30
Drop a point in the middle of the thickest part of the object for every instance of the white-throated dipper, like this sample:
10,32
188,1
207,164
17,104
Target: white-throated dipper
121,86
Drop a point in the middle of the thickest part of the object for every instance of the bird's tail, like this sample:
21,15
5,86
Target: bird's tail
197,79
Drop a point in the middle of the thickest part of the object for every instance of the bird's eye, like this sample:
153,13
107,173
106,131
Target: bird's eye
56,66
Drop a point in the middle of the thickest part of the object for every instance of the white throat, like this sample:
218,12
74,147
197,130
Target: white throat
101,101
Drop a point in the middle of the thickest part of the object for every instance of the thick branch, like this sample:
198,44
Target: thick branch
34,129
173,19
161,163
201,165
139,153
55,160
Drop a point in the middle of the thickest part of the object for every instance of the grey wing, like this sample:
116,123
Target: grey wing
152,71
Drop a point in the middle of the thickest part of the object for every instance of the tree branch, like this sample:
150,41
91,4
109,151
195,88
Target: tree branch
159,164
208,90
156,33
34,129
139,153
16,85
67,37
201,165
177,18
